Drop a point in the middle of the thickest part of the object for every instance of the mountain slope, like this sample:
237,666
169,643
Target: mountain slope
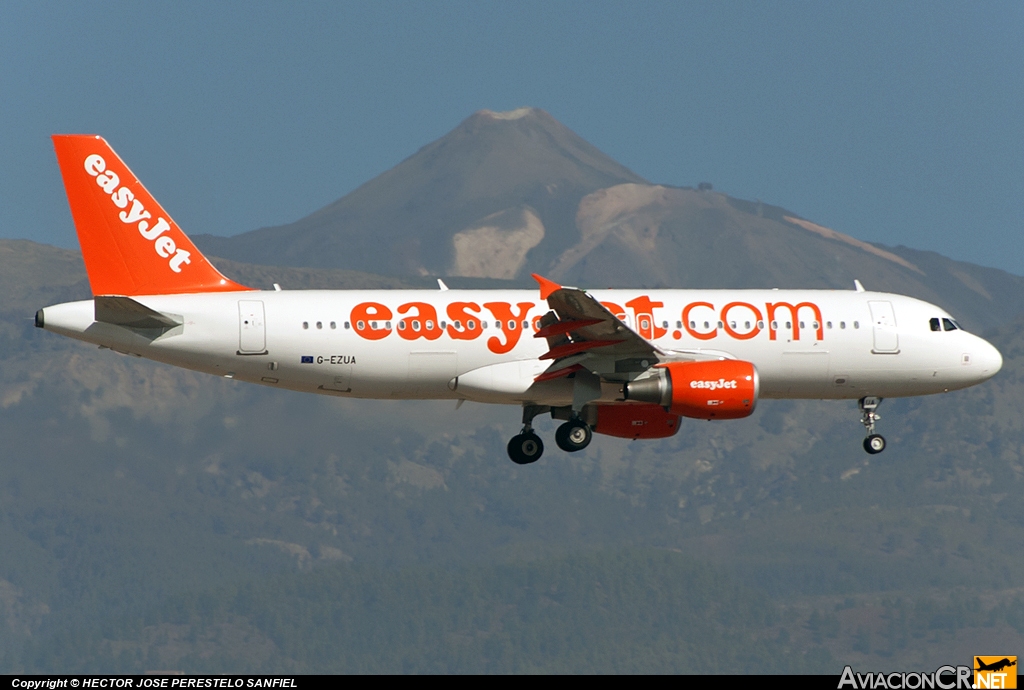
496,173
507,194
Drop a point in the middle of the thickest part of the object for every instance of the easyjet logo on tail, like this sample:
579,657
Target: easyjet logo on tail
135,213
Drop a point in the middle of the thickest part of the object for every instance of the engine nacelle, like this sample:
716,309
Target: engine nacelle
635,421
720,389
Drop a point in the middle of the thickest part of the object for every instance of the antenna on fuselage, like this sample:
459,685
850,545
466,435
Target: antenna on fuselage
857,286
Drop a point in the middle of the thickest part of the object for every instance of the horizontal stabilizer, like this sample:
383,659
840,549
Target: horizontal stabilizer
124,311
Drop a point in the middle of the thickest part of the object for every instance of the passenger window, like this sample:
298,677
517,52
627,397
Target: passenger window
679,324
948,325
775,325
347,325
828,325
814,325
415,324
387,325
842,324
458,325
802,325
360,325
470,325
443,324
334,325
305,325
526,324
511,325
664,324
856,324
430,325
401,325
789,324
760,324
934,324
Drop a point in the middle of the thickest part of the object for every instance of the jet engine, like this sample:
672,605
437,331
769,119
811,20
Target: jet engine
719,389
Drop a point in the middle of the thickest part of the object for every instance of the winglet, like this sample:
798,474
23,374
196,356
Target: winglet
546,286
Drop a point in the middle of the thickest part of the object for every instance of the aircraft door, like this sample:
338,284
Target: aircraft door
252,332
883,321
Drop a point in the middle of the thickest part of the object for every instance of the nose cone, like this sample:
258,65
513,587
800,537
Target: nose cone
988,360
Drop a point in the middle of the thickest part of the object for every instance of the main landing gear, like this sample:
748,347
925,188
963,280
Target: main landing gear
874,443
526,447
574,435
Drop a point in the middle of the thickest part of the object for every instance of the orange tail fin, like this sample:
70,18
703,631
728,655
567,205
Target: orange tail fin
129,243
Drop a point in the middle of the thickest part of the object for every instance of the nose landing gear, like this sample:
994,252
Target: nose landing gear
874,443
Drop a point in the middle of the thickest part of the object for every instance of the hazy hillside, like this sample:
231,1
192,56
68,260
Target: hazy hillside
131,492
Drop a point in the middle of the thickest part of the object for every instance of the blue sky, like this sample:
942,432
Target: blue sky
900,123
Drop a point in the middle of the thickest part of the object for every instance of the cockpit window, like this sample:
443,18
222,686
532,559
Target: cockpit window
934,323
949,325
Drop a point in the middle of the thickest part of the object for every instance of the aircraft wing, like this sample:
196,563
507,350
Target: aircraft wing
583,334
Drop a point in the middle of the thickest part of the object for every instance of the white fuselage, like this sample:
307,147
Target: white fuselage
416,344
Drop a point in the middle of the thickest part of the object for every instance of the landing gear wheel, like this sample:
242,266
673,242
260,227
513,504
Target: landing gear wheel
525,448
574,435
874,444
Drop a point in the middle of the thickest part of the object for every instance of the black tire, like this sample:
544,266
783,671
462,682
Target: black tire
874,444
572,436
525,448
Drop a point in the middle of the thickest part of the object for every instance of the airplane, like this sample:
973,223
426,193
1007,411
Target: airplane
629,363
995,665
